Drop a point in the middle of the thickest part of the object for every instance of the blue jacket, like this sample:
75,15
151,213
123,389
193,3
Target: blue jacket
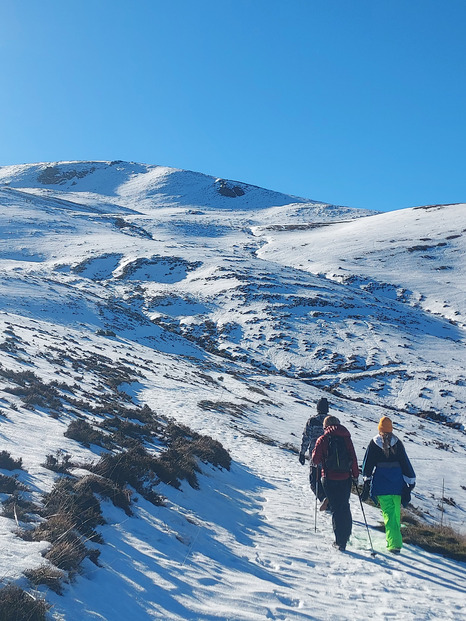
388,474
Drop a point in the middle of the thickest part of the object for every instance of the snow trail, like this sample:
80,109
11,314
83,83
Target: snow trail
276,567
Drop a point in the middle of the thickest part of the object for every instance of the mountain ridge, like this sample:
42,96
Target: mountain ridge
142,178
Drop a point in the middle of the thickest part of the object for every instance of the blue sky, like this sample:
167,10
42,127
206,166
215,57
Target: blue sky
353,102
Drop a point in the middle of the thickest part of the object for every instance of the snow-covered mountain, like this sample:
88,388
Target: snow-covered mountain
230,309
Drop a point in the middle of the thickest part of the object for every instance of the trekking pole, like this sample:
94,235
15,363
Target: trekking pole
315,506
441,505
373,552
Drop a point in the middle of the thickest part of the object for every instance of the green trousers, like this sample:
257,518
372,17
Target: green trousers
391,508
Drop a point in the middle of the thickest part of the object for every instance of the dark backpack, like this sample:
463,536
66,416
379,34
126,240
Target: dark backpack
338,458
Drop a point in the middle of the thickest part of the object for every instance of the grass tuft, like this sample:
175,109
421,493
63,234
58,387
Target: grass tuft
60,462
9,485
7,462
18,605
81,431
47,576
67,555
19,509
75,500
435,538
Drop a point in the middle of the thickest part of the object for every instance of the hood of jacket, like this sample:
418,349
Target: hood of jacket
379,441
337,430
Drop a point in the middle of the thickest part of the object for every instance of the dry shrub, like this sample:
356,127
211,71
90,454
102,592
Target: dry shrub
48,576
8,463
134,467
236,410
124,468
176,464
144,415
438,539
18,605
137,468
72,513
60,462
68,550
32,390
76,501
56,528
18,508
119,496
209,450
206,448
67,555
126,433
9,485
81,431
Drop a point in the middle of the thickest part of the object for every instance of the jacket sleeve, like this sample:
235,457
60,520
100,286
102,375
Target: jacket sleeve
318,452
370,461
406,467
306,439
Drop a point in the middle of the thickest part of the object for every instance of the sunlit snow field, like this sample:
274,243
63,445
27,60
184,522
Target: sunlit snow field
239,313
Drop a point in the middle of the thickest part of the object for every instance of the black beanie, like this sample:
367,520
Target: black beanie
322,406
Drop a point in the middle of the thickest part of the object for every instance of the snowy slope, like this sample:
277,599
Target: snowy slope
417,254
232,309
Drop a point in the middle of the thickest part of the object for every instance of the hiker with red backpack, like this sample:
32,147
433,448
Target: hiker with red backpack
312,431
388,478
334,453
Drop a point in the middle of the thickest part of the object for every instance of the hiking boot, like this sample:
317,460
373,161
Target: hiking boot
324,505
339,547
394,550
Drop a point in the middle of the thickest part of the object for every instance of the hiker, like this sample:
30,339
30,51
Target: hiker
312,431
388,478
335,453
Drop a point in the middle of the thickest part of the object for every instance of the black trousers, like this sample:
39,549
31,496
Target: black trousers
316,482
338,494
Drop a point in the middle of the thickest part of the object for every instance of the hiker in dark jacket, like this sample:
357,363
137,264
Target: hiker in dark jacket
389,478
312,431
337,480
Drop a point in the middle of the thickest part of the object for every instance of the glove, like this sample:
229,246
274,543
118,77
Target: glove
302,459
365,490
406,495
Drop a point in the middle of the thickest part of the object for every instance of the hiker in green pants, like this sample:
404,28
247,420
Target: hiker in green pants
389,478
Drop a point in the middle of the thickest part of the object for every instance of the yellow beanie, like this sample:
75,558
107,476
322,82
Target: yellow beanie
385,425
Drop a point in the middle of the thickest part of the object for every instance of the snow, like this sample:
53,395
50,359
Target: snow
419,250
257,305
